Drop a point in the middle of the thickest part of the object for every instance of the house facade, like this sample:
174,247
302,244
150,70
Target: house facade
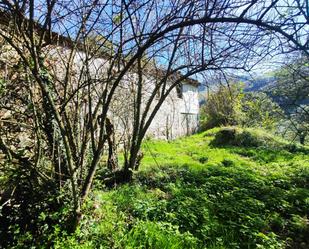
179,114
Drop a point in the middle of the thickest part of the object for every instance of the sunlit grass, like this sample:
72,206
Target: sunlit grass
195,193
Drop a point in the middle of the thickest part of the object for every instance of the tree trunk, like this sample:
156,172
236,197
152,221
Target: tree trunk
112,162
134,162
302,138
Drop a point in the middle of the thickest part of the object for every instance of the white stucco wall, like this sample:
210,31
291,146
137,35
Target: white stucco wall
178,116
190,103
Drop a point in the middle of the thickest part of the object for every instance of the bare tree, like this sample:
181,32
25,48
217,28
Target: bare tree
77,57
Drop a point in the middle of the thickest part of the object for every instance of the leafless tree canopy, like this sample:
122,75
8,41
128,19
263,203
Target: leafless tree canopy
80,61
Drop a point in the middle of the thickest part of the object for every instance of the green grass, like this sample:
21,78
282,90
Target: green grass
193,152
203,192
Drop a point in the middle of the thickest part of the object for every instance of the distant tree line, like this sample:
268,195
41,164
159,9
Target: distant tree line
282,106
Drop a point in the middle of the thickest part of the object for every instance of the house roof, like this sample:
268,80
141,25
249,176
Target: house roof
54,38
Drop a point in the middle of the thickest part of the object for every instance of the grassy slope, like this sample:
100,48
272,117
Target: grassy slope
196,193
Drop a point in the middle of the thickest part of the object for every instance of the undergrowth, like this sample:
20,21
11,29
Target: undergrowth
205,191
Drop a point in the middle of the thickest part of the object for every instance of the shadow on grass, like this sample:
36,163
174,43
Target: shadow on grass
237,206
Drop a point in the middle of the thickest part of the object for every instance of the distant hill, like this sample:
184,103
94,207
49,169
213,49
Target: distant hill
261,83
257,84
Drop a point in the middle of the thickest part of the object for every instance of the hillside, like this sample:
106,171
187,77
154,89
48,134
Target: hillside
224,188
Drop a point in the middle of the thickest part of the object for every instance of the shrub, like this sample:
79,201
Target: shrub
259,110
231,106
248,137
222,107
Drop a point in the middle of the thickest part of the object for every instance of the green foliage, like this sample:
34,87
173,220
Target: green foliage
231,106
292,92
238,197
248,137
292,81
259,110
147,234
222,107
29,207
102,226
300,119
224,188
